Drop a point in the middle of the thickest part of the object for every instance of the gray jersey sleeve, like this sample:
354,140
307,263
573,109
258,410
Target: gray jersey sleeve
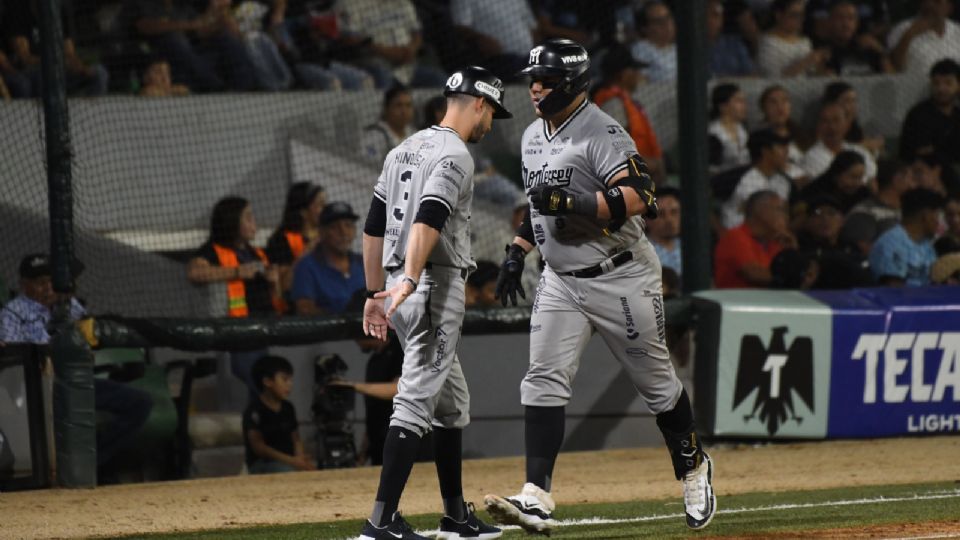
607,152
380,190
451,177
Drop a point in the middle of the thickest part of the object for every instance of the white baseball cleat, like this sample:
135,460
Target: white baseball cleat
698,496
531,509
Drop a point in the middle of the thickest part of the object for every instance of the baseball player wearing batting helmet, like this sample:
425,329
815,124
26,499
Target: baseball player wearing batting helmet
589,191
417,240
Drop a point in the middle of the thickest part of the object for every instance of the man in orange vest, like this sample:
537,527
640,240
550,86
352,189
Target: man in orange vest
621,77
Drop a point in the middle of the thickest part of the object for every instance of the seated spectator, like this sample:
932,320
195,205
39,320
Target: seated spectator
793,269
253,284
393,29
578,21
298,232
916,44
873,17
664,232
832,126
784,51
499,32
270,429
729,56
951,216
481,286
842,182
621,77
727,132
933,125
894,178
904,254
931,173
25,319
269,67
846,96
768,153
21,27
157,82
858,233
852,54
14,82
658,50
946,271
743,254
395,125
840,268
308,37
777,110
325,280
206,52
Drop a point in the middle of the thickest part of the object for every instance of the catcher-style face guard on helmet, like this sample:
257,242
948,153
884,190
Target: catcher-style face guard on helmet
565,61
477,81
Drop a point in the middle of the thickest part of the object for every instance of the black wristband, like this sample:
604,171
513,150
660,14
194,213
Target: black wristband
369,293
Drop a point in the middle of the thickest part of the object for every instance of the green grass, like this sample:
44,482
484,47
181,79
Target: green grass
757,519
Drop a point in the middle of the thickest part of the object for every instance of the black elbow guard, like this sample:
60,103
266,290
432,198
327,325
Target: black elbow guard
432,213
376,224
525,230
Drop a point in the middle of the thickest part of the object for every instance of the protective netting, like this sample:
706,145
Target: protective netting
280,99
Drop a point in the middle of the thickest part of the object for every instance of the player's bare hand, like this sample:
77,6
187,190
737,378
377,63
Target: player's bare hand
398,293
375,322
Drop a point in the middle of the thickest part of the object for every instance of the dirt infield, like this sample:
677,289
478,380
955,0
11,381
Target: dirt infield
611,476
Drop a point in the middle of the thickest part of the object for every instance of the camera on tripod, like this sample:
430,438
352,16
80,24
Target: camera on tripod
333,407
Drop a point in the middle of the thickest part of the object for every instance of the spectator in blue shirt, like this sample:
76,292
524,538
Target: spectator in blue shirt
664,232
659,49
904,254
729,56
324,280
24,320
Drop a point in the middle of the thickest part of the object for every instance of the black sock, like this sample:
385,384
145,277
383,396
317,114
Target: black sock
448,456
399,452
679,419
544,435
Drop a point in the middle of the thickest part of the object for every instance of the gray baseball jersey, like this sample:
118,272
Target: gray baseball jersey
582,155
432,164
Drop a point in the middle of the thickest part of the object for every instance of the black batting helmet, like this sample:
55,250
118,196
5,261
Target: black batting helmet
566,60
477,81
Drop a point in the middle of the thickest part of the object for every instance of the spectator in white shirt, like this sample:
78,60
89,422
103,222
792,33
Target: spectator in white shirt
659,49
768,153
728,136
784,51
918,43
832,126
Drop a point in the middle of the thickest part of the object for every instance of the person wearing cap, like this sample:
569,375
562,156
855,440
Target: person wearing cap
841,267
326,278
904,254
768,153
621,77
298,232
25,319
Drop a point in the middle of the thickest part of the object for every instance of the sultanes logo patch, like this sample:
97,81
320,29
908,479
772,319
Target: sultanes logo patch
775,372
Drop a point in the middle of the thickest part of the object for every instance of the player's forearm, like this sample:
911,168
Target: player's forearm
373,261
520,241
423,238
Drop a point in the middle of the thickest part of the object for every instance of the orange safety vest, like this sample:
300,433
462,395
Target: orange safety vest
295,241
638,125
236,290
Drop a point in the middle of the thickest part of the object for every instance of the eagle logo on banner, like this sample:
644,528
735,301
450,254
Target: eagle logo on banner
776,373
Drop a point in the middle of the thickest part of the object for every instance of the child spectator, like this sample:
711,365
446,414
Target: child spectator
157,81
933,125
728,135
904,254
270,428
784,51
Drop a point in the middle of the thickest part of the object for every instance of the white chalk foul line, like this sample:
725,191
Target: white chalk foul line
765,508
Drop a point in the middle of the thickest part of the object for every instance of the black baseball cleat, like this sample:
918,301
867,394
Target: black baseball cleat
470,528
699,499
397,529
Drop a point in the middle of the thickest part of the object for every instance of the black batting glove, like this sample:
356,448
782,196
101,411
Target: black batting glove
552,200
511,271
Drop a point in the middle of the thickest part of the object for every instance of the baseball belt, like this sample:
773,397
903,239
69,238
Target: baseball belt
602,268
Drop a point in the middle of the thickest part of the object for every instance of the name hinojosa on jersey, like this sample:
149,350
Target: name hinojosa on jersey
546,176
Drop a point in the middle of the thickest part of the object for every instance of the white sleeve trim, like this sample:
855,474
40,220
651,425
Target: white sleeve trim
611,174
436,198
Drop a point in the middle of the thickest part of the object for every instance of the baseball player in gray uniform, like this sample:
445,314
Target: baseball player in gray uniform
417,240
588,189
